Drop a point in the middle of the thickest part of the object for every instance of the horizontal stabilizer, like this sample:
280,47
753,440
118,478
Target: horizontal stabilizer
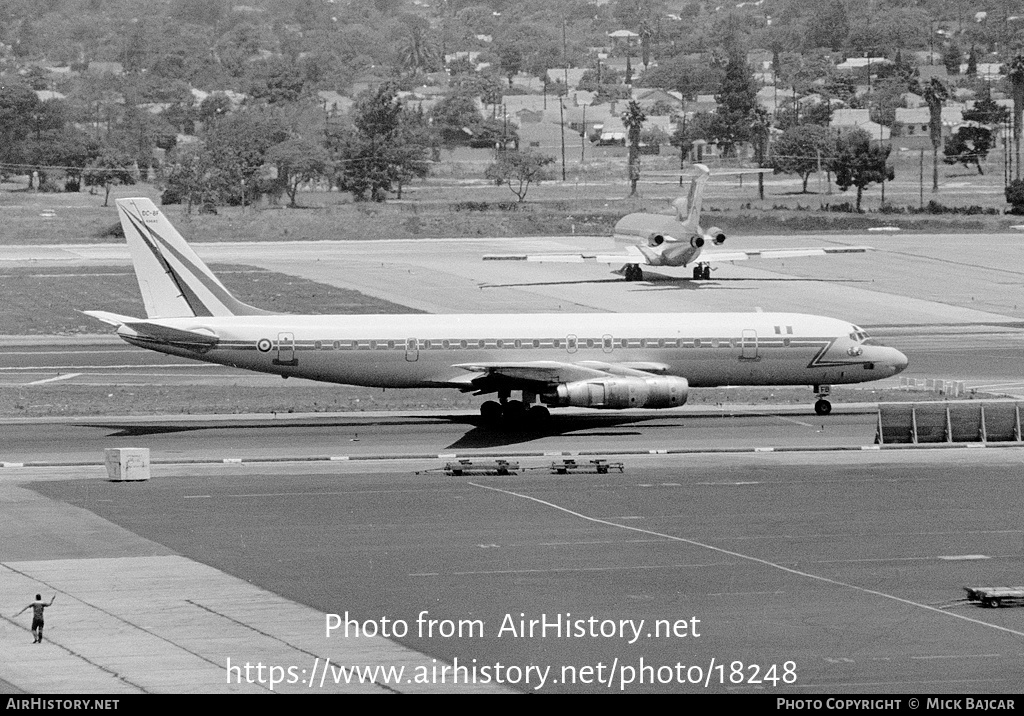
142,330
174,336
112,318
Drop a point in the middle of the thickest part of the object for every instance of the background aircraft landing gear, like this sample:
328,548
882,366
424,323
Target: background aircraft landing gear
702,272
633,272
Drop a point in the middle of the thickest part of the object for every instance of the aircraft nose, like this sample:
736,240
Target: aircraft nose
897,360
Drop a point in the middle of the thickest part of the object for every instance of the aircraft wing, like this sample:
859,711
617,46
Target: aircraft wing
516,375
631,255
723,256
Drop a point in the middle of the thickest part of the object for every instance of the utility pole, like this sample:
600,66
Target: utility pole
561,125
583,137
561,106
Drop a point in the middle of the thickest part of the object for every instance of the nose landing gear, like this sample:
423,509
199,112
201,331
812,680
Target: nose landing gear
822,406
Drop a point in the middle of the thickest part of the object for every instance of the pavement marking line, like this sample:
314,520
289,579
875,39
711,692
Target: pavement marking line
963,557
137,366
959,656
563,570
54,379
750,558
840,685
794,420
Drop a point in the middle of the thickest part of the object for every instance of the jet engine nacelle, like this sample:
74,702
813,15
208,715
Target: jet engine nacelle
655,240
623,392
696,241
716,235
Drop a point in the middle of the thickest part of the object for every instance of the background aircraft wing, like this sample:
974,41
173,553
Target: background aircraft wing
630,255
722,256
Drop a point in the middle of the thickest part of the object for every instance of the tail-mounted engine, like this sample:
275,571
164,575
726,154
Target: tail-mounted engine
696,241
716,236
624,392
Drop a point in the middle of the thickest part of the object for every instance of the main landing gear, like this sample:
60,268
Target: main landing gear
513,413
633,272
702,272
822,406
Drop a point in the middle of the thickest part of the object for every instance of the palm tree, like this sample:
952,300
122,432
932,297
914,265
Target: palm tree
633,119
935,94
416,48
1016,76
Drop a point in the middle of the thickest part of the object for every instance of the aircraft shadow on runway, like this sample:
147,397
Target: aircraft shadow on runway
486,436
478,435
127,430
672,282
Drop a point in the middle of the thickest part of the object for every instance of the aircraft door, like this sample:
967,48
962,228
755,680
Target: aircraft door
607,343
749,344
286,349
571,343
412,350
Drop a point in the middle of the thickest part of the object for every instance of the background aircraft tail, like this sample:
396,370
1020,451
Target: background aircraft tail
173,280
688,209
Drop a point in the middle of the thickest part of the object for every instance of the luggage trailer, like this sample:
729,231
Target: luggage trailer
996,596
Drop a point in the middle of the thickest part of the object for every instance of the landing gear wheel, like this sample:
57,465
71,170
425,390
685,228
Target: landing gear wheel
706,273
822,407
538,415
490,411
514,410
698,273
634,273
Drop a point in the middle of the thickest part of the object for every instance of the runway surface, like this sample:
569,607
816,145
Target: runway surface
432,433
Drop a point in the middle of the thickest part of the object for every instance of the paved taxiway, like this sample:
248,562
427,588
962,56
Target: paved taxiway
912,278
849,570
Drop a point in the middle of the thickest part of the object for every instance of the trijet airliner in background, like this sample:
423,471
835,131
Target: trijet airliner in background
674,240
592,360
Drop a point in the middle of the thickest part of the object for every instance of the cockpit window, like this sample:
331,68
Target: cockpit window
858,335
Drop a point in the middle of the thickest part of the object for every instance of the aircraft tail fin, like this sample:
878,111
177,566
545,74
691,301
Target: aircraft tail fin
173,280
688,209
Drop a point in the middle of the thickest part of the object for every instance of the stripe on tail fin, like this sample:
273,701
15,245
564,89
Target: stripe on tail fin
173,280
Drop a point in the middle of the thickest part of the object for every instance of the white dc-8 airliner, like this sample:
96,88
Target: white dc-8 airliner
592,360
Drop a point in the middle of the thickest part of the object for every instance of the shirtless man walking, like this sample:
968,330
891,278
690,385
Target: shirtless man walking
37,608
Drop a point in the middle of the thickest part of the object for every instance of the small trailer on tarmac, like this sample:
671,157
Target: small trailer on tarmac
996,596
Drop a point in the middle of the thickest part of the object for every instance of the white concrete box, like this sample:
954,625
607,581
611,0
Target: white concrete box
125,464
